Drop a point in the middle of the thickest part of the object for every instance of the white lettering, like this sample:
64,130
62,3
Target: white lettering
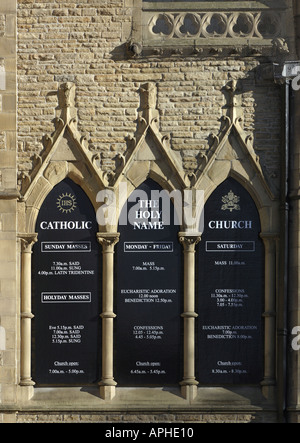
106,214
2,339
2,78
230,224
171,432
148,225
295,83
64,225
124,433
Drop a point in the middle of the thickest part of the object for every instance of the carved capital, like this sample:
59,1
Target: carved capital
108,239
27,242
189,241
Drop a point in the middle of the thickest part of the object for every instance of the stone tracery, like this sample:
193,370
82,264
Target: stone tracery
190,24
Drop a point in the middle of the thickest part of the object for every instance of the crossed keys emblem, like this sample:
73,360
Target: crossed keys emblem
231,202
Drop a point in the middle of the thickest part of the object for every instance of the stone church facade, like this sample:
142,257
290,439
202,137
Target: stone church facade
189,94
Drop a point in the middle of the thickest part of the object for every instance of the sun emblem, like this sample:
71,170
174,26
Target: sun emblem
231,202
66,203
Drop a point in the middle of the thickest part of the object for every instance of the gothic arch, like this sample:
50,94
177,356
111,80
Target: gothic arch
65,154
67,219
54,174
233,159
268,210
136,229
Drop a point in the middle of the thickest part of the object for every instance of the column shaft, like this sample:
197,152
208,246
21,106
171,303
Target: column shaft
27,242
108,384
189,383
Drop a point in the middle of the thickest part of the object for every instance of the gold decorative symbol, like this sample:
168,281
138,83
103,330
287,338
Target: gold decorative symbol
66,203
231,202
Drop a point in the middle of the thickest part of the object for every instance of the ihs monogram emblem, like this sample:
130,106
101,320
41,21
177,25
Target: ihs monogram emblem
66,203
231,202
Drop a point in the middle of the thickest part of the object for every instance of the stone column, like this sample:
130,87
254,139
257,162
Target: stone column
270,241
189,383
27,242
108,384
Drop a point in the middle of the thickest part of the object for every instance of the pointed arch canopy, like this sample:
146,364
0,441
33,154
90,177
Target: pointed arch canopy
66,290
149,293
231,289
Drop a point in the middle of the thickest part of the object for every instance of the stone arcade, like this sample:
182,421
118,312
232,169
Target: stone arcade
123,322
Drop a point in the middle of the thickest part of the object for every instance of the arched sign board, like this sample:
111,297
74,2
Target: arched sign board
149,289
230,289
67,290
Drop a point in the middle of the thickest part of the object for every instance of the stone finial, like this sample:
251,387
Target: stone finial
148,96
148,108
66,99
67,95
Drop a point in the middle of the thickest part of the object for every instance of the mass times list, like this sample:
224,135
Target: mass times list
231,293
59,268
230,298
229,332
67,290
148,332
148,295
62,335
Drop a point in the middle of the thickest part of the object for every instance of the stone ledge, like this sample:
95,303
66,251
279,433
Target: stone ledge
233,400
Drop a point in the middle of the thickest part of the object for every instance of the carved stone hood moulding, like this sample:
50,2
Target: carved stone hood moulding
63,149
148,152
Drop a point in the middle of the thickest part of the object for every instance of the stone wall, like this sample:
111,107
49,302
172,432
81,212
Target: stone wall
85,43
8,203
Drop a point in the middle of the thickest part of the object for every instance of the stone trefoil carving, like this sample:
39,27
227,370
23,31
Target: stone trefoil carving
193,25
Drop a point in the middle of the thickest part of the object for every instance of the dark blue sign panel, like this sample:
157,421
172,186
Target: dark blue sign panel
149,292
67,290
230,289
